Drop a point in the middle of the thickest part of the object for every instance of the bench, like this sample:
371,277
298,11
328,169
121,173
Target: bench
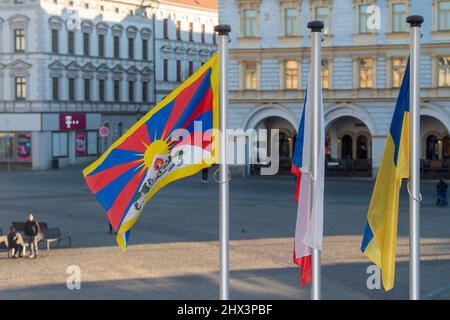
45,234
54,235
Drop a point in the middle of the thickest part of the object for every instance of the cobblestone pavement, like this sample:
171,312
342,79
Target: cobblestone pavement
174,249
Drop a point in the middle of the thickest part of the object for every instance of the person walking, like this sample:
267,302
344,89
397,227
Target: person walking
15,243
205,175
31,231
441,189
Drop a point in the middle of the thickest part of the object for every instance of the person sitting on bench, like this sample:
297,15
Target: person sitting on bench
15,243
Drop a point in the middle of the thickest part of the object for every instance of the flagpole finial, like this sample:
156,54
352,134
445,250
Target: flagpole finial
316,26
415,21
223,29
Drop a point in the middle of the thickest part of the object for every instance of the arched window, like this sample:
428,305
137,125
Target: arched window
432,147
446,147
347,147
361,147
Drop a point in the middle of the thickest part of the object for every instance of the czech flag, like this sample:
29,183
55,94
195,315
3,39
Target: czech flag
310,189
176,139
380,236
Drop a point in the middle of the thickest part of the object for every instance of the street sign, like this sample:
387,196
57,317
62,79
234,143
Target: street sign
103,131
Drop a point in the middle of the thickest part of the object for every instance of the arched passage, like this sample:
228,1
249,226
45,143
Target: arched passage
349,147
286,140
435,150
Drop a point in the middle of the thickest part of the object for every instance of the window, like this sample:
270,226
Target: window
55,88
144,49
55,41
179,71
80,144
191,68
86,44
291,81
191,32
250,75
398,17
59,144
444,15
7,140
21,88
166,70
71,89
130,48
398,69
203,33
101,45
71,42
19,40
92,143
325,74
290,22
249,23
365,73
166,28
322,14
23,146
144,91
178,30
444,72
87,89
86,5
101,90
116,90
364,15
131,91
116,46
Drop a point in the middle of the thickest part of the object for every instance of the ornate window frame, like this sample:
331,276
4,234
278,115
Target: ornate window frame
19,21
249,5
290,4
313,4
436,33
363,38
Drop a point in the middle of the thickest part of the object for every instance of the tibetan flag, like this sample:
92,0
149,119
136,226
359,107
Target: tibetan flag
310,189
176,139
380,236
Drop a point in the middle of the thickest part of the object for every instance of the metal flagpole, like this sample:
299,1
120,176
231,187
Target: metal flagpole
223,31
316,38
414,174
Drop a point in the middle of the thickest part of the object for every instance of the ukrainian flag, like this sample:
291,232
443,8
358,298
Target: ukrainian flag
380,236
175,139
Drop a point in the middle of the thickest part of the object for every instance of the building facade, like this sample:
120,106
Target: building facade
364,54
71,67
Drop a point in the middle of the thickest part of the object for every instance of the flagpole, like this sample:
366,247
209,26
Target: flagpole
414,176
223,31
316,38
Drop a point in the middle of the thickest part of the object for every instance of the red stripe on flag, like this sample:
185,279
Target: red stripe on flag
305,264
180,104
117,211
297,188
137,140
205,105
100,180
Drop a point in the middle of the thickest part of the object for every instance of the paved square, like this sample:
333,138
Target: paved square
174,250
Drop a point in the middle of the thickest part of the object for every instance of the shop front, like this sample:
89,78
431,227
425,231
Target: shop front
40,141
15,149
